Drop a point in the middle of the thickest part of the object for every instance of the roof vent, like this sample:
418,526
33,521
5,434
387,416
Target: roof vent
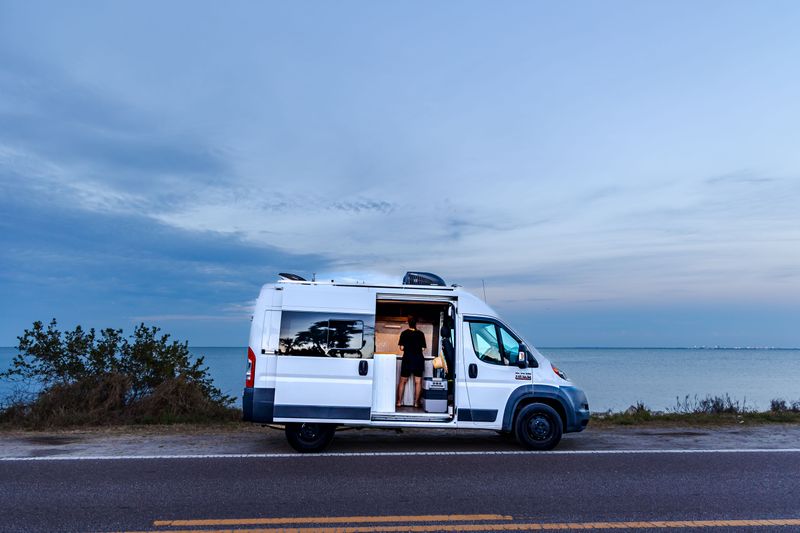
292,277
423,278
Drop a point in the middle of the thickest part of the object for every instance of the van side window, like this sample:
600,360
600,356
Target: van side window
326,334
345,337
510,345
487,348
484,342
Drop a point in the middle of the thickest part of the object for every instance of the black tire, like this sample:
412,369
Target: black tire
309,437
538,427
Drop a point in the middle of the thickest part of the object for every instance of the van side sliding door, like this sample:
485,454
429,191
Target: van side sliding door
324,367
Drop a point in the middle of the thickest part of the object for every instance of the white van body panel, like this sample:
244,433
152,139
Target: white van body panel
309,381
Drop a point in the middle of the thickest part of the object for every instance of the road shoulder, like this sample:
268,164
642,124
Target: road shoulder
239,439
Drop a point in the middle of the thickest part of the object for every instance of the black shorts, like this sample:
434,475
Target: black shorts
412,365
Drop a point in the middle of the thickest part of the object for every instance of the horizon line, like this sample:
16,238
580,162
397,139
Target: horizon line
710,348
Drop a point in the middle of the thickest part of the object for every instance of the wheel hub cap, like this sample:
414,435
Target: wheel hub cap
540,427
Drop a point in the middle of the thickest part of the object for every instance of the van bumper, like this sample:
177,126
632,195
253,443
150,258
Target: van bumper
258,404
580,409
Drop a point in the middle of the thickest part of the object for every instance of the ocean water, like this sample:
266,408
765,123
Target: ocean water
616,378
613,378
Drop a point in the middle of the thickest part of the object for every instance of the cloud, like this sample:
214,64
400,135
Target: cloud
742,176
70,142
186,318
110,193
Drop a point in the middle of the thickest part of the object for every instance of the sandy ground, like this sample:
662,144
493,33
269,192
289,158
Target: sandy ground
253,439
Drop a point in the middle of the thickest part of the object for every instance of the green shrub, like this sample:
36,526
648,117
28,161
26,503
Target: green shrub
710,405
83,377
780,405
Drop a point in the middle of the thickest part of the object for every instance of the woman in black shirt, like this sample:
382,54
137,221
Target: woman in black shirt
412,342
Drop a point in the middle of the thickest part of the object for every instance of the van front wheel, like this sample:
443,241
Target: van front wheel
538,427
309,437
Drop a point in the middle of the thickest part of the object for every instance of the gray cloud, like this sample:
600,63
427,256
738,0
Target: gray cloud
95,139
741,176
359,206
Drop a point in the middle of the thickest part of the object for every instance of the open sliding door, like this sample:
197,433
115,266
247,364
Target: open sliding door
324,364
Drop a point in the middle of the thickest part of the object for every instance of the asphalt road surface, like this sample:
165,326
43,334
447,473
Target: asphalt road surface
407,491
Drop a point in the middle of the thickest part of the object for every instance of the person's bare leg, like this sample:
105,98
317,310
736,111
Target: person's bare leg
417,390
401,387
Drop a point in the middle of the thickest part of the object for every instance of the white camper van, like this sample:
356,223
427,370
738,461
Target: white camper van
323,355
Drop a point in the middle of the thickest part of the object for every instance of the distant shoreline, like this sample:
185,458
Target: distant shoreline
708,348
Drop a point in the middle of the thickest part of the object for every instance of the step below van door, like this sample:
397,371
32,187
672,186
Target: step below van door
490,353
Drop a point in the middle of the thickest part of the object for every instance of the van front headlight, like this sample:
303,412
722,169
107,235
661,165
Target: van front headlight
559,373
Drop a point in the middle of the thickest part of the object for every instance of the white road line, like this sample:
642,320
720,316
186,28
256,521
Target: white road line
389,454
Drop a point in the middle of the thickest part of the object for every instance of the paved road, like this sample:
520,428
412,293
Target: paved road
499,491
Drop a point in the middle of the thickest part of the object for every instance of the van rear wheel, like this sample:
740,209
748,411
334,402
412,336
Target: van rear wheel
309,437
538,427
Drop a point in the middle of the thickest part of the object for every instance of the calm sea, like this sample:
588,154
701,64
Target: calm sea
614,378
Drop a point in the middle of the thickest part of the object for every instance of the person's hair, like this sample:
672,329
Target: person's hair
412,322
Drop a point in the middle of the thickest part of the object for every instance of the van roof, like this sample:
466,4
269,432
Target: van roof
370,285
326,294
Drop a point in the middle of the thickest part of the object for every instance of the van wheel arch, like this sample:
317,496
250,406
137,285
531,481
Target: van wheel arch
552,402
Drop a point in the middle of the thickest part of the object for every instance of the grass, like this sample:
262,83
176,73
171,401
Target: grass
101,402
711,410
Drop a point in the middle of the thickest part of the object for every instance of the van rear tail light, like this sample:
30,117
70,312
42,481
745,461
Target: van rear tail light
250,377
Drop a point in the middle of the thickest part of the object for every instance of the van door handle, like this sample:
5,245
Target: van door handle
363,368
473,370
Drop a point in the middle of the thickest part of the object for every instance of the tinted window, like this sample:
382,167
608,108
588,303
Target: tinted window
345,336
510,345
502,350
327,334
484,342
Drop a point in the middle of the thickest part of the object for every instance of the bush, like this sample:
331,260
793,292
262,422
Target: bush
781,406
89,378
710,405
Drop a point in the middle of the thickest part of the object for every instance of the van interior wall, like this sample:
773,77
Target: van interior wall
391,318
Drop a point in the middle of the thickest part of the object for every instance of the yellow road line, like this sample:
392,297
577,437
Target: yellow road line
332,520
518,526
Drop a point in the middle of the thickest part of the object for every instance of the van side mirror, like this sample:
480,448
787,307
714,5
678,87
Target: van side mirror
522,357
525,358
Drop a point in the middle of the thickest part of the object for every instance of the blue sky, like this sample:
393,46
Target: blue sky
618,173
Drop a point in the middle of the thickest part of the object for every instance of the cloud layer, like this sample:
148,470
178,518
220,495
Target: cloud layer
571,166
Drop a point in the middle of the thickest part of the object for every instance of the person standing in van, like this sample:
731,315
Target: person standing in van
412,342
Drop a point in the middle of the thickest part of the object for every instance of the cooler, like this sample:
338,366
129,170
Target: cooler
434,395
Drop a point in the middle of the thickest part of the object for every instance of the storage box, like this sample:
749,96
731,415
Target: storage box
434,406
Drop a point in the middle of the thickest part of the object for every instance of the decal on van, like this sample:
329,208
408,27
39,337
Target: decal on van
522,376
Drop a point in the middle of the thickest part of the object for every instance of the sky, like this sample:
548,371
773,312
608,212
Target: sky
615,173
